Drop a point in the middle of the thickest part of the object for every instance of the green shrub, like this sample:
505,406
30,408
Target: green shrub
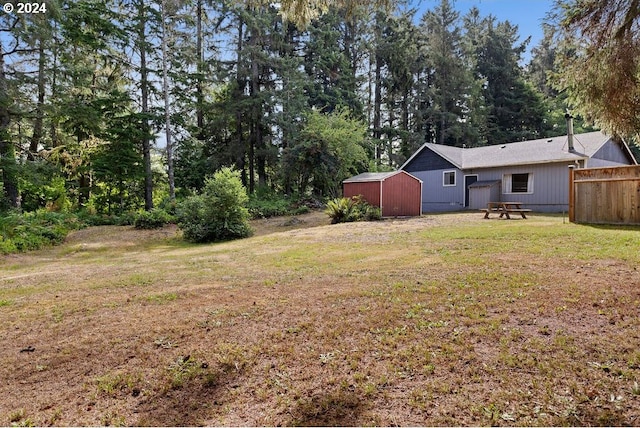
219,212
271,207
302,209
343,210
372,213
87,218
32,231
154,219
7,246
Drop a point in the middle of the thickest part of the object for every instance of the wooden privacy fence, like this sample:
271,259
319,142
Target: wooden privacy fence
605,195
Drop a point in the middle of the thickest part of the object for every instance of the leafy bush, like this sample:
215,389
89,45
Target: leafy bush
154,219
33,231
371,213
42,186
269,207
302,209
87,218
7,246
266,202
219,212
343,210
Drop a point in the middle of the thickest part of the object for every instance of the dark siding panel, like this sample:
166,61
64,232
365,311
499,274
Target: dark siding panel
427,160
370,191
611,151
401,196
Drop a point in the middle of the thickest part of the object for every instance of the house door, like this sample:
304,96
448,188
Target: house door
468,181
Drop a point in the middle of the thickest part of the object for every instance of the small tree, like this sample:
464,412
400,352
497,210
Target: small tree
219,212
330,148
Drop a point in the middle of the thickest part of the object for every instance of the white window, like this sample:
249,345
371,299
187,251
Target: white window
449,178
517,183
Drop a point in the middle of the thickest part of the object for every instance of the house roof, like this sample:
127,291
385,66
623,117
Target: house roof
375,176
544,150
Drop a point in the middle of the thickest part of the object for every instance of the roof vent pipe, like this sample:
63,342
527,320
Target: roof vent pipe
569,119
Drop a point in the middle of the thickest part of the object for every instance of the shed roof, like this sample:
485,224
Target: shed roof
376,176
544,150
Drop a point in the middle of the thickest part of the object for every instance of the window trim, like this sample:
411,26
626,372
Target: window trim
455,178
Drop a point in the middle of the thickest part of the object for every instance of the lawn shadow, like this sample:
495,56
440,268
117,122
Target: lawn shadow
338,408
629,227
191,404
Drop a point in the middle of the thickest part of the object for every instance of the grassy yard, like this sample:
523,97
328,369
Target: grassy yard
438,320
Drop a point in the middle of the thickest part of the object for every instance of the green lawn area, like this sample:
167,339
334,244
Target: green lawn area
439,320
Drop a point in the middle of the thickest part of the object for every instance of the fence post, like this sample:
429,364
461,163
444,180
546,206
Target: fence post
572,189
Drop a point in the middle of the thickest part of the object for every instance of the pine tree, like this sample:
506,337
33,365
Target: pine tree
450,81
515,110
332,80
142,15
599,61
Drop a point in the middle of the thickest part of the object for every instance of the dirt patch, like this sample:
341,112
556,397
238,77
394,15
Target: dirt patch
271,225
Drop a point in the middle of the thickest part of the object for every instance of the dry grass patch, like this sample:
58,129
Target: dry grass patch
438,320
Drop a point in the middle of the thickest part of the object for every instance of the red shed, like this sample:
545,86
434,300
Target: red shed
397,193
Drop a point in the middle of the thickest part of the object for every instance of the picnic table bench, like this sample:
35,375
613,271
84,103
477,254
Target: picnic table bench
504,209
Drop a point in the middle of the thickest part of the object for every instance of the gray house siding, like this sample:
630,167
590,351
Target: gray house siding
610,154
437,197
550,191
550,185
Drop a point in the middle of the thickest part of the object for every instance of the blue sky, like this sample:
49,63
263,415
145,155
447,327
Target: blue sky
528,15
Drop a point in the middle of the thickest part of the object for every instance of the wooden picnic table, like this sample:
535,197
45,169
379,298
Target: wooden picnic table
504,209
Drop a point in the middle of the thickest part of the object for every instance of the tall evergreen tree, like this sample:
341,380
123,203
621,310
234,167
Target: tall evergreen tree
450,83
514,109
143,18
332,80
89,87
599,61
8,25
396,64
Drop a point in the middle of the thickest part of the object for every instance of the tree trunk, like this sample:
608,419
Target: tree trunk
239,94
144,90
9,179
404,105
38,122
392,118
53,129
257,159
199,71
377,101
167,112
7,150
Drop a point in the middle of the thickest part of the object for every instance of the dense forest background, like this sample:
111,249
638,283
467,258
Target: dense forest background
113,106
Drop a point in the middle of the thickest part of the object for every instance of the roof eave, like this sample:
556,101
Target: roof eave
380,179
540,162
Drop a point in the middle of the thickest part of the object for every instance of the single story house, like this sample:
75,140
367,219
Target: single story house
534,172
396,193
